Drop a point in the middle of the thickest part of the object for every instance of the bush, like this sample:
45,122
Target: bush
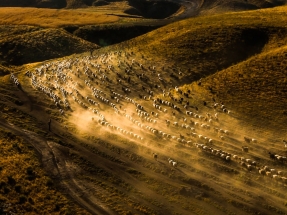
2,184
11,180
30,200
57,207
18,188
30,171
22,199
6,190
49,183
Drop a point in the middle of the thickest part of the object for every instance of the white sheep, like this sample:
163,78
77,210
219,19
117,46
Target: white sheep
262,171
235,157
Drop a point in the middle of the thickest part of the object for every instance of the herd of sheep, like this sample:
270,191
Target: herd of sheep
116,89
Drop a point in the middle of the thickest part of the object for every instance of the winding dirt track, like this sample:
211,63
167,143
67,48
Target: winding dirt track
60,168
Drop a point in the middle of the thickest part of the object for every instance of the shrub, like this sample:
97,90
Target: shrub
6,190
2,184
57,207
18,188
30,200
30,171
49,183
11,180
22,199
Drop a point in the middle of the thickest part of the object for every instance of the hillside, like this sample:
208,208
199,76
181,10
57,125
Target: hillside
34,44
186,119
206,45
223,6
147,9
52,18
209,44
256,88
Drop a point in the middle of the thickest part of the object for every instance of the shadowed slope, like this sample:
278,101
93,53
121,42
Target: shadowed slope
52,18
41,45
257,88
221,6
205,45
110,114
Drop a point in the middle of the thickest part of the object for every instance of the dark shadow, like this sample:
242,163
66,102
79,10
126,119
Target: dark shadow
110,34
154,9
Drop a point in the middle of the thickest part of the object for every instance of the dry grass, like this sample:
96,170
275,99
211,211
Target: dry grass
256,88
223,6
40,45
52,18
132,182
24,186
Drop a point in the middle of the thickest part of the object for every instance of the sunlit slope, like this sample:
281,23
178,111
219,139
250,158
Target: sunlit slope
52,17
111,163
208,44
257,87
40,45
25,188
111,114
221,6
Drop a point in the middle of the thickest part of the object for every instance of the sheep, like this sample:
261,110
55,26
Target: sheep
279,158
247,139
271,155
266,168
253,140
269,174
249,167
174,164
154,156
221,131
244,148
284,179
235,157
262,171
249,161
242,164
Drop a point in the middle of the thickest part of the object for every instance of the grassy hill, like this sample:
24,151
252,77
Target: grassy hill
209,44
223,6
103,142
52,18
246,44
256,87
39,44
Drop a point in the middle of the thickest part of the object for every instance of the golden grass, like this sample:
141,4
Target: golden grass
252,43
193,43
26,48
52,17
24,186
256,87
